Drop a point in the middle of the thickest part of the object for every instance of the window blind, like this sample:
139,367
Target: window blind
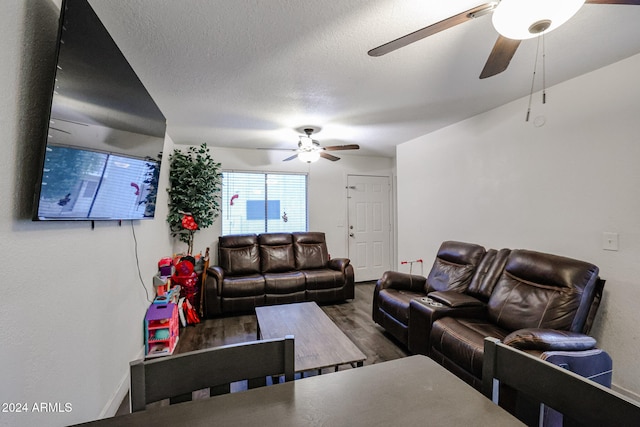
259,202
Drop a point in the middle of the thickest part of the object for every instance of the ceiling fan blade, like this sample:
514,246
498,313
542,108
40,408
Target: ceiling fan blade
276,149
329,156
342,147
433,29
631,2
499,57
290,158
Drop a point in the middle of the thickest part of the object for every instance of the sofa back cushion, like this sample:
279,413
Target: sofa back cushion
276,252
537,290
454,266
238,254
310,250
487,274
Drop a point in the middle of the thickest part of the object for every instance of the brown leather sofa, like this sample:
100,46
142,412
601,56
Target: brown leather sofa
453,268
542,303
274,268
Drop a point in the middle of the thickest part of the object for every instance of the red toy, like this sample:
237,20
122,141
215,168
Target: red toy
187,279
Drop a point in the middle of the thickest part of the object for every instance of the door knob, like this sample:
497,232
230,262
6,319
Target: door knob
351,235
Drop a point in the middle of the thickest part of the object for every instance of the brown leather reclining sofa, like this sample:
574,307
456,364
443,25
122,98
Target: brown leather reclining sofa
275,268
541,303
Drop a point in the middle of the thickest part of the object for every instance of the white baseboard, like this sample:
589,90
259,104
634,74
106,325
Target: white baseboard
114,402
119,394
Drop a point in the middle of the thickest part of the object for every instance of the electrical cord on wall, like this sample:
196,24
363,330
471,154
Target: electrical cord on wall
135,240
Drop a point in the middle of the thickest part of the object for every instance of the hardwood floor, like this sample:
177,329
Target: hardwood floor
352,317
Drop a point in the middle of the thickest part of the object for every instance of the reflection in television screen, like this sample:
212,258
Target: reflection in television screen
83,184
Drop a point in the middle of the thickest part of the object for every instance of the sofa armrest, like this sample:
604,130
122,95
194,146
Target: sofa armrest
423,312
213,290
218,273
401,281
455,299
339,264
549,340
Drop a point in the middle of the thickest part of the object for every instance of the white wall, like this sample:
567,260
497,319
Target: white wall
327,183
72,303
499,181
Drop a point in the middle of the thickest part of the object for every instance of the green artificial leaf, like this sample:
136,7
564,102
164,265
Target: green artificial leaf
195,183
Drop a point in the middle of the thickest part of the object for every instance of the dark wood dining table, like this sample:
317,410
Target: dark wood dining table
409,391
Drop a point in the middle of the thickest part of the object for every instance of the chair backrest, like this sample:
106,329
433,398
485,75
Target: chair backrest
581,400
174,376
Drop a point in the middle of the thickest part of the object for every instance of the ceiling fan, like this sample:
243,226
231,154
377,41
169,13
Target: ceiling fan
514,20
309,150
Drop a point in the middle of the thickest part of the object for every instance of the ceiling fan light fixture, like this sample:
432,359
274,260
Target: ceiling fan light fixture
306,142
309,156
525,19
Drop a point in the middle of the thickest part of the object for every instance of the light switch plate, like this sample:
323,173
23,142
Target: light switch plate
610,241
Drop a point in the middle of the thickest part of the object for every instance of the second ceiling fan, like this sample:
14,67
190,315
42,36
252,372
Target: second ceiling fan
309,150
515,20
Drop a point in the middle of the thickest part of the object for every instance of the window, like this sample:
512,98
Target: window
263,202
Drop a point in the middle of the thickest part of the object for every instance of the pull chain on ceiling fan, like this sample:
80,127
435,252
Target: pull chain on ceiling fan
514,20
533,78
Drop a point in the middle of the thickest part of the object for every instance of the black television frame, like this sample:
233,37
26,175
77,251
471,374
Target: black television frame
98,105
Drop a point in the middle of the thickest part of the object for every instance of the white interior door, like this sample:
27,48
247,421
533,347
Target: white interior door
369,225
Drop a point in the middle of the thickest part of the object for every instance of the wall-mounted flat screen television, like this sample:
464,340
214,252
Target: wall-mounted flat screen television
104,133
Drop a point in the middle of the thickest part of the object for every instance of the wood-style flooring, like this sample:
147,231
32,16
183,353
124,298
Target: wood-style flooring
352,317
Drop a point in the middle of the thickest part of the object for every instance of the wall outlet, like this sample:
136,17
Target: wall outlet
610,241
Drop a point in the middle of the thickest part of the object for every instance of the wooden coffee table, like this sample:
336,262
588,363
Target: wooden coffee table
319,343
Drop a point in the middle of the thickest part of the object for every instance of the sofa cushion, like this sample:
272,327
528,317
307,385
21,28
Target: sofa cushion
549,340
396,302
323,279
284,283
462,341
537,290
276,252
486,276
277,259
242,286
454,266
239,254
310,250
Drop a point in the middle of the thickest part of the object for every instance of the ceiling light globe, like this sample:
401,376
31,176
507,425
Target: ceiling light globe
524,19
309,156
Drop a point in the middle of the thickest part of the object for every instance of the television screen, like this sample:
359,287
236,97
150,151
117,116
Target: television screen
101,157
81,184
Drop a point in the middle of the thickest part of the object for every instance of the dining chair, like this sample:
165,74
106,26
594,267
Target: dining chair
582,401
176,377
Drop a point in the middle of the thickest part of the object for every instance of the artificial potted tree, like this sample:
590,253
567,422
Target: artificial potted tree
195,181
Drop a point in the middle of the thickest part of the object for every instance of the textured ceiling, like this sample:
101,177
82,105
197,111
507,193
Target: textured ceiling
250,73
